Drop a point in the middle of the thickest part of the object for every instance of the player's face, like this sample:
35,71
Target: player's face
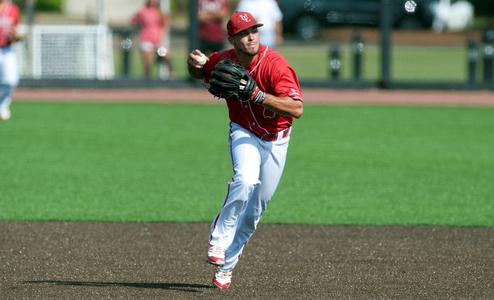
247,41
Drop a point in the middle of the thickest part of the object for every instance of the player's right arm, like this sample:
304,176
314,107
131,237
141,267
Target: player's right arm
195,64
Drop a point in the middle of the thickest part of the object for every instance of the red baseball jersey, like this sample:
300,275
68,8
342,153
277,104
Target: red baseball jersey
9,18
273,75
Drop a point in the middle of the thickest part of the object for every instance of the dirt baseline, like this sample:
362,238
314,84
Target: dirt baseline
310,95
86,260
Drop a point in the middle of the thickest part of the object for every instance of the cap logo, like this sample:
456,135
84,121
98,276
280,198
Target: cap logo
245,18
240,21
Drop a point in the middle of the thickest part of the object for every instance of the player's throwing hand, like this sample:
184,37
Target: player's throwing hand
197,59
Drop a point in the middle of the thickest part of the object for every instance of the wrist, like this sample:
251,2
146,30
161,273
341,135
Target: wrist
258,96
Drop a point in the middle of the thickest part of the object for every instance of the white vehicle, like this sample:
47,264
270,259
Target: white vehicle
452,15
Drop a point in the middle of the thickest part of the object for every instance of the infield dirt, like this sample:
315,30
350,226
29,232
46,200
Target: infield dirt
85,260
311,95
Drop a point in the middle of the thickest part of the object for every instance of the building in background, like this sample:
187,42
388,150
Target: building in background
117,12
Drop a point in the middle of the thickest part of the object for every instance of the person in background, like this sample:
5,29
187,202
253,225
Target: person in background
268,13
9,73
212,15
152,23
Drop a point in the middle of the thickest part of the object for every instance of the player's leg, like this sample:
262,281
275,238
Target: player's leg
164,60
273,162
147,52
148,56
5,101
9,78
246,161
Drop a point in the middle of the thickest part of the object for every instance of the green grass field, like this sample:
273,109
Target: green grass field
346,164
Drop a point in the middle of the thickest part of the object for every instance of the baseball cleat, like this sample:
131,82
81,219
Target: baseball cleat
216,255
222,279
4,114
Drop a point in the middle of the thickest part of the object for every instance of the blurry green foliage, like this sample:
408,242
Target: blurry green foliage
49,5
179,6
43,5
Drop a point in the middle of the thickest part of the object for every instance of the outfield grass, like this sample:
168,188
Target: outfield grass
169,162
437,63
407,62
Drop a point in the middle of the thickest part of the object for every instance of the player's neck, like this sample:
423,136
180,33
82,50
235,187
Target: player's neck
246,59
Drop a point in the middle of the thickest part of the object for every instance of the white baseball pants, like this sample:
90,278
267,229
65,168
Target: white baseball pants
257,169
9,75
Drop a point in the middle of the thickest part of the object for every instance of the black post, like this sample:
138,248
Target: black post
30,10
334,67
472,58
193,26
488,54
385,26
358,49
126,45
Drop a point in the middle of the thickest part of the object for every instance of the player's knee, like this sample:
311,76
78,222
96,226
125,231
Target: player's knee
250,222
245,181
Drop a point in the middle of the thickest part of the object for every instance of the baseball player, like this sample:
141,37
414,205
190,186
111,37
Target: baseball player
9,74
263,94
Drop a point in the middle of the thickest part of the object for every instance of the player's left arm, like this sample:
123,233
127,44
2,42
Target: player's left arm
285,106
15,35
279,92
285,97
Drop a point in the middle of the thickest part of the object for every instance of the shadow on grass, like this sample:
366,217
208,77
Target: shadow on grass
184,287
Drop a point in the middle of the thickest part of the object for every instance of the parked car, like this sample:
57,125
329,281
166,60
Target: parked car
453,15
306,18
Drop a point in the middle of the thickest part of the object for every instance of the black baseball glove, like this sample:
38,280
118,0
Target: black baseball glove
230,80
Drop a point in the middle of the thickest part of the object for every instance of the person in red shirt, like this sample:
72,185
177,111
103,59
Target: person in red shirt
211,15
152,23
259,135
9,74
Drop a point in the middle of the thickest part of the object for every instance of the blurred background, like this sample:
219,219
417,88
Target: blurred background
416,43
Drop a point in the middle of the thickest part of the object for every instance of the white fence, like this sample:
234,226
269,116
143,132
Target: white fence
60,51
